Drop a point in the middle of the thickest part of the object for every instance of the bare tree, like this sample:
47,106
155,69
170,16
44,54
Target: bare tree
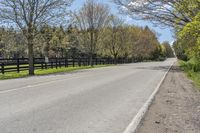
28,15
166,12
91,18
114,41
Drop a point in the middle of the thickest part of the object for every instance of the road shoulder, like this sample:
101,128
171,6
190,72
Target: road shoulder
176,108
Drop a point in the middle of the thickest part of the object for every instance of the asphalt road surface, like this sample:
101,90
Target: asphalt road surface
101,100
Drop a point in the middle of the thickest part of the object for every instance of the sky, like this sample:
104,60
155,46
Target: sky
164,34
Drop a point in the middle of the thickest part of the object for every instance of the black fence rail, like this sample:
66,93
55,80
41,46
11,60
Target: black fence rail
21,64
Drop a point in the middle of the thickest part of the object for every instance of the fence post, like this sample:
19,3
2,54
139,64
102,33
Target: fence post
45,65
18,65
73,62
65,63
79,62
59,64
56,63
96,61
51,64
33,64
85,61
88,61
42,65
2,68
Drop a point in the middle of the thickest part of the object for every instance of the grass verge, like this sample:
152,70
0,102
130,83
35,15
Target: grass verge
13,75
195,76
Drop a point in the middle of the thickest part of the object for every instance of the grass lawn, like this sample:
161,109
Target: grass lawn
22,74
195,76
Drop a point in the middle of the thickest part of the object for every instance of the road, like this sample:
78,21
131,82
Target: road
101,100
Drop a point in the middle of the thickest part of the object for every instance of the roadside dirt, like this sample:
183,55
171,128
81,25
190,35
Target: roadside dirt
176,108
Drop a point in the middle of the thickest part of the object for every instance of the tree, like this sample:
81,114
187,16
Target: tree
59,41
113,40
166,12
145,44
169,52
74,49
180,50
125,40
91,18
190,33
28,15
12,43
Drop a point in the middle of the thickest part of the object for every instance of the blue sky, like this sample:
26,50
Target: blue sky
164,34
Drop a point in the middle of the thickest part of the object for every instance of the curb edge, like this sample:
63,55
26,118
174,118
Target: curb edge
133,126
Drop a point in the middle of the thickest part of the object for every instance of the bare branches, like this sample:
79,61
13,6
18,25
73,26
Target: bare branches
166,12
34,12
91,18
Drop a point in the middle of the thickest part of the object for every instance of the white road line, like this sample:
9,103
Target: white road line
32,86
44,83
133,126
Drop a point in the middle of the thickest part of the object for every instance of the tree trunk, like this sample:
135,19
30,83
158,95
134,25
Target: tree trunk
91,60
115,59
30,55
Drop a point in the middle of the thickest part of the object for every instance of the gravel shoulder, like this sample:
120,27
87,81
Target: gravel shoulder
176,107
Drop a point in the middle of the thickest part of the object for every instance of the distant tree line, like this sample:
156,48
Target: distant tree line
123,41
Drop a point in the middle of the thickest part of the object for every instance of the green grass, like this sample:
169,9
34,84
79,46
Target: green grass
189,68
13,75
195,76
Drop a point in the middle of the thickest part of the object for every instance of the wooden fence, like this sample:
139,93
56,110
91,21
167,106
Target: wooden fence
21,64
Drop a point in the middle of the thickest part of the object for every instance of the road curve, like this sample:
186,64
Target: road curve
101,100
